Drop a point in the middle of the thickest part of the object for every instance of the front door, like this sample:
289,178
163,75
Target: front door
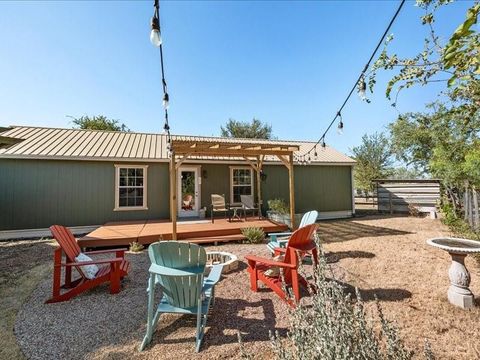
188,191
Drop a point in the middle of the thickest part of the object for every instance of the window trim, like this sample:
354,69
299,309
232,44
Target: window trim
117,187
252,184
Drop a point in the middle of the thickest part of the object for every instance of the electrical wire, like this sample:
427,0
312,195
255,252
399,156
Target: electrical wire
166,97
360,77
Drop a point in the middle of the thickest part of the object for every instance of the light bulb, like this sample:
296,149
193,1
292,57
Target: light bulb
155,37
166,101
340,128
323,144
362,89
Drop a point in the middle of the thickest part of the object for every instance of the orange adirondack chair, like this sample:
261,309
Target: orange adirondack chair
300,241
112,270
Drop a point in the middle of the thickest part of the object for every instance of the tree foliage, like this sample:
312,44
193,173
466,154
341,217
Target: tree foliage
98,122
406,173
455,62
373,159
248,130
442,141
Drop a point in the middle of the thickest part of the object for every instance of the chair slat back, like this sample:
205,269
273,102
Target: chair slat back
247,201
301,239
180,291
308,218
66,240
218,201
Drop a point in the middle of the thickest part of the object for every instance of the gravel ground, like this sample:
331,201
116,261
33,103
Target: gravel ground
382,256
103,326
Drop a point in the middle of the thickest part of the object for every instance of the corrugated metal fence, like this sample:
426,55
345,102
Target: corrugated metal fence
398,195
471,206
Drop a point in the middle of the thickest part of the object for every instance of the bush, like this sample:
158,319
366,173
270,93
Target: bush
254,235
278,206
336,326
135,247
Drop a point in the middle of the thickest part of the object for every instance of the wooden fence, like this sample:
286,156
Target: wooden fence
471,198
401,195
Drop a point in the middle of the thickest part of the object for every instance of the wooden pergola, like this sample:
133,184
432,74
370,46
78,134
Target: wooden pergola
253,152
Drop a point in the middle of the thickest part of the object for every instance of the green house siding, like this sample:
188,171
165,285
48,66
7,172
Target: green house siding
322,188
39,193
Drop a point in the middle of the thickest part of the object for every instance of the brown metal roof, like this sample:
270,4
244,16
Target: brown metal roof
77,144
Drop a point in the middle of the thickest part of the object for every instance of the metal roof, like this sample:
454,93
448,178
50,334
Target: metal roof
77,144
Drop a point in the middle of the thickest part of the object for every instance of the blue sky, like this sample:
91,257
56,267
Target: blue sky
290,64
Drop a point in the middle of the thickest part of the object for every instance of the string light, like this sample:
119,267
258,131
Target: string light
156,40
155,36
362,88
359,84
166,100
340,125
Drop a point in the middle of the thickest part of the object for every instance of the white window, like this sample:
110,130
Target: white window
131,187
241,183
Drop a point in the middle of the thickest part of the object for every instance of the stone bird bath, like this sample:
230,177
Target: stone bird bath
458,293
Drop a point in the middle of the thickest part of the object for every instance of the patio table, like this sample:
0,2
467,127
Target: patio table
235,214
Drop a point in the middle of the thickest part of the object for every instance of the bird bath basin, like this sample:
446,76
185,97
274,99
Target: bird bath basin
458,293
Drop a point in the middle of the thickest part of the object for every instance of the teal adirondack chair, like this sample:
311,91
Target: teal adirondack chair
178,268
280,240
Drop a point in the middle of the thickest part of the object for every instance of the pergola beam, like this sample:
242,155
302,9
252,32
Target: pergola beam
246,150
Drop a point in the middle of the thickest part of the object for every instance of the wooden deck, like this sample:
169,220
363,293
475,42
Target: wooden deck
149,231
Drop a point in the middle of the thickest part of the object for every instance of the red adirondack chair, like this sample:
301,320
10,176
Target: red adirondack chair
301,242
110,270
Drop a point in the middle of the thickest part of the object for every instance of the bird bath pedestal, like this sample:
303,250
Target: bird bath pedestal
458,293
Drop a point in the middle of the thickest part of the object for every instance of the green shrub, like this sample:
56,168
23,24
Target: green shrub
135,247
254,235
336,326
278,206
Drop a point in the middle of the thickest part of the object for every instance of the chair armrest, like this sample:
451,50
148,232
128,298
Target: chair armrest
94,262
287,233
213,278
122,251
163,270
279,250
258,259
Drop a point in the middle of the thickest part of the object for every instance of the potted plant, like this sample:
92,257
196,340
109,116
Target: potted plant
279,211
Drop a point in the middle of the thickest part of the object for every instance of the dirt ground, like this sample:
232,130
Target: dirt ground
382,256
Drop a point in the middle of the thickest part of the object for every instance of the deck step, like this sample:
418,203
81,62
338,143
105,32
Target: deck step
215,239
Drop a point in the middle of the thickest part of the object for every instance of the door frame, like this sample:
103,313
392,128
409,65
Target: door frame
198,190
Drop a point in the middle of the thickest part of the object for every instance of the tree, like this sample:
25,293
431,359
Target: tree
406,173
373,160
248,130
98,122
454,62
444,142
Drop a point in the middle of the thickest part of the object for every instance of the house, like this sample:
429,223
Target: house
86,177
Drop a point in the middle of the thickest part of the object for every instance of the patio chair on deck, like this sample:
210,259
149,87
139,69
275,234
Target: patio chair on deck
109,270
279,240
178,268
249,205
269,271
219,205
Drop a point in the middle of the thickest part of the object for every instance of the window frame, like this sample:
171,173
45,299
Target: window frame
117,187
252,182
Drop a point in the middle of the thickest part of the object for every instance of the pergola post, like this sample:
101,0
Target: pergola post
173,195
291,185
259,183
